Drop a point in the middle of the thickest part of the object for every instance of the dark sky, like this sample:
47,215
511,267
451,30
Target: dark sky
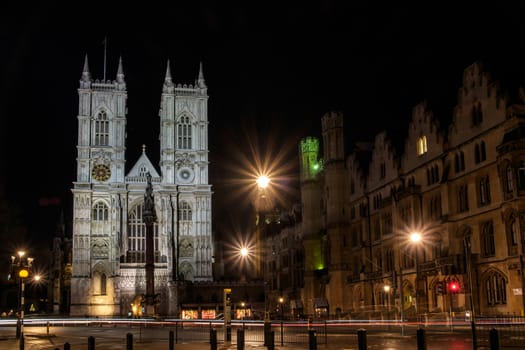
272,71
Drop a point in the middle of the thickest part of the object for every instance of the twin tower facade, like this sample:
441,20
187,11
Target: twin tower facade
109,233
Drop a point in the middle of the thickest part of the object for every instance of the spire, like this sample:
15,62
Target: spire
120,83
200,80
168,84
85,81
120,71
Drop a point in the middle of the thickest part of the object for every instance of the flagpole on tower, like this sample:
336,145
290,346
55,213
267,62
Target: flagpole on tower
105,47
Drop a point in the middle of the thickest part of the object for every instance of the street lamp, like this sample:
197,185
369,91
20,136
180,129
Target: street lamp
244,252
243,315
21,265
415,237
386,288
262,182
281,304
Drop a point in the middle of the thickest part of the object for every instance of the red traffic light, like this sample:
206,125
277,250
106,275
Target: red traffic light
453,287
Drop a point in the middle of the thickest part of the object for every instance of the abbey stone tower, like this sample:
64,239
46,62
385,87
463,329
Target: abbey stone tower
109,233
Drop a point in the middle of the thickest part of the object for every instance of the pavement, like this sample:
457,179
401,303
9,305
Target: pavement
38,341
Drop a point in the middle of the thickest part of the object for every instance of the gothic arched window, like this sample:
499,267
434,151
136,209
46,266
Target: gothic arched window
184,211
101,129
103,283
136,252
421,145
510,184
487,239
483,151
143,170
184,133
495,289
484,191
100,212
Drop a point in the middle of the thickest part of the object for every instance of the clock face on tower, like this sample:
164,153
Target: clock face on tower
101,172
185,175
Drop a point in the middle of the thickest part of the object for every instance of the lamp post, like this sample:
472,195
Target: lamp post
244,255
415,237
149,218
281,304
21,265
468,257
386,288
243,305
262,183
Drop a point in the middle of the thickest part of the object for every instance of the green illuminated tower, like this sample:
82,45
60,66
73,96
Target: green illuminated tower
311,168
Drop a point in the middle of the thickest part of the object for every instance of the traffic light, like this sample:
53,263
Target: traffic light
227,296
453,287
23,272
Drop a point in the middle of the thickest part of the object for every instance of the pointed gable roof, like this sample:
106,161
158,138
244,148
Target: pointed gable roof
143,166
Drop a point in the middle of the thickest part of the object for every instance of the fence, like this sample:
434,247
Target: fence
509,332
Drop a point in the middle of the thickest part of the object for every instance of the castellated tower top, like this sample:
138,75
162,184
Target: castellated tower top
311,165
333,143
119,84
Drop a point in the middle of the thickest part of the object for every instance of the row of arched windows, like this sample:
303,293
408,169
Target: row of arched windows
137,228
101,132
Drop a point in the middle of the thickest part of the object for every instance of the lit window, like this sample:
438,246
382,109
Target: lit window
421,145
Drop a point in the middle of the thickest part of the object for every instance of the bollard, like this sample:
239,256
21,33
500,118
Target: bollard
21,344
312,339
176,332
47,328
91,342
240,339
129,341
213,339
267,329
271,340
421,343
171,341
67,346
494,339
228,333
361,339
18,326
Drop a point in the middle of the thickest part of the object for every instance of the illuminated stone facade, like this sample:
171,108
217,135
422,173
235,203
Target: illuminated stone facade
108,254
462,186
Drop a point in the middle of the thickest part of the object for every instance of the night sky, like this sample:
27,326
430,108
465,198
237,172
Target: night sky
272,71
